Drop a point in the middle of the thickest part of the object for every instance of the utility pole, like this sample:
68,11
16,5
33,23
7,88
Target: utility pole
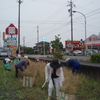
37,34
23,41
19,2
70,11
0,39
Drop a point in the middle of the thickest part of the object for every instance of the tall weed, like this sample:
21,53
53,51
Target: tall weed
11,88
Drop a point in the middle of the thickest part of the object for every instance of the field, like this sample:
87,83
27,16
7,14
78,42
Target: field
11,88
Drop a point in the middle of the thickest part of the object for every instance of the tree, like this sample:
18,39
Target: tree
28,50
57,47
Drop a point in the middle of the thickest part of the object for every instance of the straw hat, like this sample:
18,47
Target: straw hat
67,59
28,61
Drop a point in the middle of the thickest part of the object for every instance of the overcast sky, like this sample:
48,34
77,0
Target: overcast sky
52,17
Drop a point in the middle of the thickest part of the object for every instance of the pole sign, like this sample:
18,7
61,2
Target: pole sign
11,42
14,51
11,45
11,30
76,45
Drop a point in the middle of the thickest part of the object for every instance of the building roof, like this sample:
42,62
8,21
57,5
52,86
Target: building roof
42,42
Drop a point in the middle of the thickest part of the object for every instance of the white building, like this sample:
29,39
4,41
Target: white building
93,41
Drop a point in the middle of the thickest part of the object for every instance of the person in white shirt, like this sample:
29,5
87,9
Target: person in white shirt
54,75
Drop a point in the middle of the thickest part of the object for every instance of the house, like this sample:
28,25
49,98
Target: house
41,47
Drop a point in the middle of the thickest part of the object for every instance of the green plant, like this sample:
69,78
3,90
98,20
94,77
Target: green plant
11,88
95,58
20,94
58,47
57,55
88,89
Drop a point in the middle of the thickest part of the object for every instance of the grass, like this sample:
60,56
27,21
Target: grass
88,89
11,87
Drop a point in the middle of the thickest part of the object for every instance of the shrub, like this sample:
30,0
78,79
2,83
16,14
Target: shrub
95,58
57,55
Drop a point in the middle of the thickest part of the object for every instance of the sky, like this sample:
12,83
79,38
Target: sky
52,18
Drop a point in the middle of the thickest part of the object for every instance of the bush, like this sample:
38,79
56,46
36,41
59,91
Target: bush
95,58
57,55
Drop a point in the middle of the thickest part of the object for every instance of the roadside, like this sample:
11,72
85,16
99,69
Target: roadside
82,58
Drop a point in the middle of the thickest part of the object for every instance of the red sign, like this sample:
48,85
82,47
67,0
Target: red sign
11,30
11,46
76,45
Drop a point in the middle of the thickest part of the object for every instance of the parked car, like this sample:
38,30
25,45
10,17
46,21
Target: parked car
76,52
66,52
98,51
3,54
95,51
91,51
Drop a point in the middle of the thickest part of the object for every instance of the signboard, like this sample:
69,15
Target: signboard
5,44
11,30
11,42
76,45
43,39
14,51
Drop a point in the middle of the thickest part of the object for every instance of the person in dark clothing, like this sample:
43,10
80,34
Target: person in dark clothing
17,51
74,64
22,65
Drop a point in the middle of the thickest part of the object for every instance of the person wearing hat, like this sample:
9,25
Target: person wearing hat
19,56
7,63
25,57
74,64
6,60
22,65
54,75
37,59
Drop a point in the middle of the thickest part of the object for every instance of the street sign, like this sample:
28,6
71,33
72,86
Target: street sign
12,45
11,40
11,30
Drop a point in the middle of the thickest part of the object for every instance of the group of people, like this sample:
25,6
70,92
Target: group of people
53,72
21,64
